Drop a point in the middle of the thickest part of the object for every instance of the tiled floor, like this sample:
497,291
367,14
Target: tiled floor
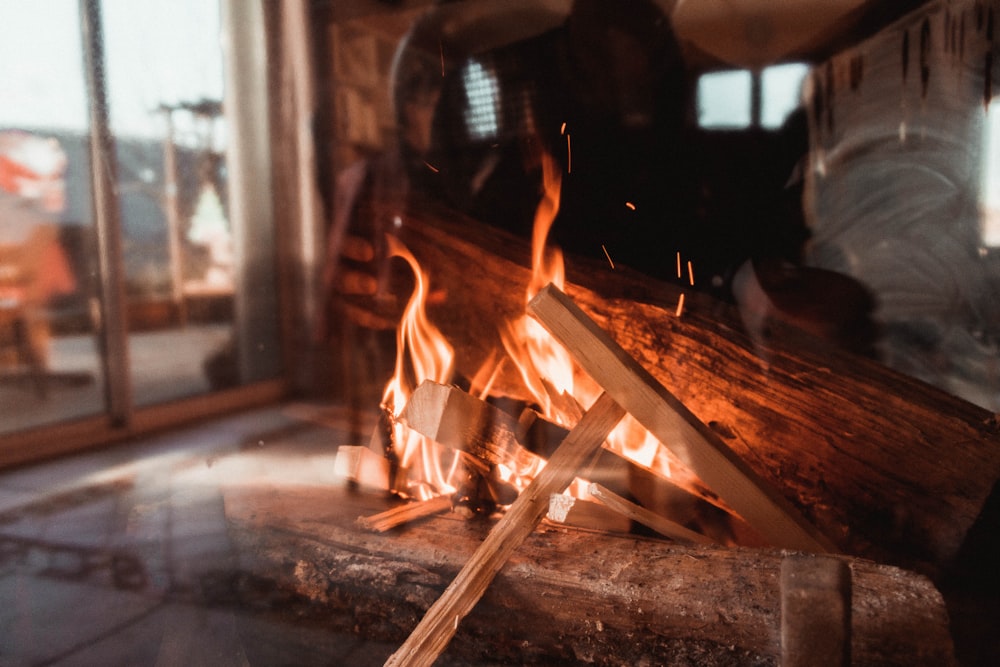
122,557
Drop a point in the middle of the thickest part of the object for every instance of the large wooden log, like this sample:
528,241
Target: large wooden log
694,443
888,467
565,596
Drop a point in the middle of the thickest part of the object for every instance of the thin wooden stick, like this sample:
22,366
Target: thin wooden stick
669,420
431,636
663,526
397,516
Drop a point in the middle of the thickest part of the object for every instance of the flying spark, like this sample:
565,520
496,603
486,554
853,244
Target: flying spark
690,273
680,305
630,205
679,264
431,167
608,256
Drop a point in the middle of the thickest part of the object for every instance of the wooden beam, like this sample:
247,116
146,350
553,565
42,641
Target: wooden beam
674,425
435,630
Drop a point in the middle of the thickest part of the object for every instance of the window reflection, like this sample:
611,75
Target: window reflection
164,73
49,365
724,99
781,92
165,83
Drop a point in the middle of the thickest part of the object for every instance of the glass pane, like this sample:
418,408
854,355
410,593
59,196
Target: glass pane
724,99
781,92
49,363
165,86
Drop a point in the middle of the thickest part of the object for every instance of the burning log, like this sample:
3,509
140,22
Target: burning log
674,425
435,630
454,418
886,466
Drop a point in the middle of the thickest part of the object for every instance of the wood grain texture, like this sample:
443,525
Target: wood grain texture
888,467
564,597
694,443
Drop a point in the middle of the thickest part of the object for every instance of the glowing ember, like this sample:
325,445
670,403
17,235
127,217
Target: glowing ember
606,254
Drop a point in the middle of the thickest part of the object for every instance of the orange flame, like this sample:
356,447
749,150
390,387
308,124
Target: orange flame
545,367
423,350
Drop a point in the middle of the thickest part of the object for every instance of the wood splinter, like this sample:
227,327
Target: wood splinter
431,636
397,516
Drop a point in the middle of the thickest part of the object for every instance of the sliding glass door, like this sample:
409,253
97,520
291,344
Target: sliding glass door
133,270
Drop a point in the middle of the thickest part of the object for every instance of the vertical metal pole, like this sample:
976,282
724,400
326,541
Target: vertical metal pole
251,206
756,97
170,187
107,217
297,43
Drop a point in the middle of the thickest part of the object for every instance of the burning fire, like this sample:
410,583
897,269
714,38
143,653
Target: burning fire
545,367
422,353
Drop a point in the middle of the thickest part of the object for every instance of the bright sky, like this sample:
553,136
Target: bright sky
157,51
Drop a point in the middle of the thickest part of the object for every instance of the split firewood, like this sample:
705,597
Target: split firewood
360,465
397,516
674,425
887,466
567,510
454,418
663,526
438,626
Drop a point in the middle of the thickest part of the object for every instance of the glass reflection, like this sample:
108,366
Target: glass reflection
163,71
165,83
48,357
